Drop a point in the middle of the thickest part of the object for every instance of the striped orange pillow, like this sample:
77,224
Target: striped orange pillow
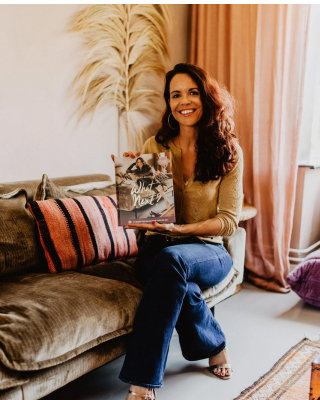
81,231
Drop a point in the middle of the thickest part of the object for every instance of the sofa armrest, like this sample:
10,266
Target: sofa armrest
236,246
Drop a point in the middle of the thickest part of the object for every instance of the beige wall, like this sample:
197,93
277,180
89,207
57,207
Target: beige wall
39,59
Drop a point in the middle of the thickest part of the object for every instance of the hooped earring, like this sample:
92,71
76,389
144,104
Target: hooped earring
169,122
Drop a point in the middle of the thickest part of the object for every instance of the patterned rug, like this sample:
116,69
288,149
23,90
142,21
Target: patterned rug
289,378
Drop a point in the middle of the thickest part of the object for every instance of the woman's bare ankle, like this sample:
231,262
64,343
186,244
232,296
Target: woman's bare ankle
139,389
222,357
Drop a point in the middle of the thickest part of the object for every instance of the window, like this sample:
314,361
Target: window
309,144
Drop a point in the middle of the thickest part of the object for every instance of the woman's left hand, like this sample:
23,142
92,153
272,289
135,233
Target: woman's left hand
156,227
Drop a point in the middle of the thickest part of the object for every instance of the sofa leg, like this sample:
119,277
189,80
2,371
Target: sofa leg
212,310
238,288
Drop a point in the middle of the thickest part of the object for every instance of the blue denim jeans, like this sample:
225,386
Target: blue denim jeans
173,277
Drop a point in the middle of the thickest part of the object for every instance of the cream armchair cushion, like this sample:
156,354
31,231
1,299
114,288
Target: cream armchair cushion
235,246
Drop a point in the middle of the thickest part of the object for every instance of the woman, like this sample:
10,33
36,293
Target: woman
141,169
147,178
177,261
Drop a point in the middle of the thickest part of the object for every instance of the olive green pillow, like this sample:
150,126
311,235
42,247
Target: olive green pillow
20,248
48,190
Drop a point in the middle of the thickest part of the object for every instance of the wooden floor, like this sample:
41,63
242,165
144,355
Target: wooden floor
260,327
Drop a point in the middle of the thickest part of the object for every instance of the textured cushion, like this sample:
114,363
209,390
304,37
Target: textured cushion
9,378
211,293
305,279
31,186
82,231
121,271
235,245
48,190
55,317
45,381
20,249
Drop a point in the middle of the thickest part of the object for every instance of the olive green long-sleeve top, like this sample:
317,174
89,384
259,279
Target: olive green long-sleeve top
196,201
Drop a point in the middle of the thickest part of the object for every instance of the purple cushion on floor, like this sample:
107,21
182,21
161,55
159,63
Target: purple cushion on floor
305,279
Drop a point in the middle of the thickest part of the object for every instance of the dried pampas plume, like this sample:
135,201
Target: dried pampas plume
127,57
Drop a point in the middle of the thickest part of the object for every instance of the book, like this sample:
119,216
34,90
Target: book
144,187
314,393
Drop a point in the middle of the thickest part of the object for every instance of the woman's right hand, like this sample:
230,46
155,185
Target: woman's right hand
128,154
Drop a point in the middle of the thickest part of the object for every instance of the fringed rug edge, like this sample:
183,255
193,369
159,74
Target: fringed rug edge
247,390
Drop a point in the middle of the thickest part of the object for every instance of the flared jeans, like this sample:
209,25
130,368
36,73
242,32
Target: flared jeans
173,277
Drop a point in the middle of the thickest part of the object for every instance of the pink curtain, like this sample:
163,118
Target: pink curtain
258,53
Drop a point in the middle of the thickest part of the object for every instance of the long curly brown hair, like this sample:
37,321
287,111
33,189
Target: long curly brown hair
142,160
216,141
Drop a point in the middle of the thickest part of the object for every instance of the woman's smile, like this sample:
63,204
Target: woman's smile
188,112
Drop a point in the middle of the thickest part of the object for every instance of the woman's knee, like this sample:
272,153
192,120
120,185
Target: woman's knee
169,259
227,264
193,295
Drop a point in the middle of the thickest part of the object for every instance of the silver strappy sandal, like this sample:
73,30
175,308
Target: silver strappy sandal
148,396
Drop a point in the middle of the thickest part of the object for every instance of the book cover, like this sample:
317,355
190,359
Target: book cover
314,393
144,187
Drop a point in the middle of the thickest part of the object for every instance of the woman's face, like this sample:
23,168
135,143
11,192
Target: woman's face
139,164
185,101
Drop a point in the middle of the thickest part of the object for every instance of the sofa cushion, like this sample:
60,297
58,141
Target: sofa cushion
305,279
118,270
45,381
20,249
31,186
46,319
10,378
82,231
211,294
48,190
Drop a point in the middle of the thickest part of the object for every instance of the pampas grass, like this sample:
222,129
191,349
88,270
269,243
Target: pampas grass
128,52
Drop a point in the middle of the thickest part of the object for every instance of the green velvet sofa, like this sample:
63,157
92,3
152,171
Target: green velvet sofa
56,327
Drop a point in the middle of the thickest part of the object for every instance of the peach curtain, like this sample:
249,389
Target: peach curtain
258,53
